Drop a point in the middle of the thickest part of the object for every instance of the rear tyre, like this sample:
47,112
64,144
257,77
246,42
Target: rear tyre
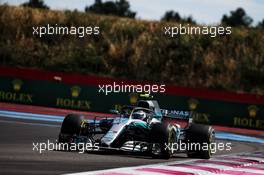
71,126
200,134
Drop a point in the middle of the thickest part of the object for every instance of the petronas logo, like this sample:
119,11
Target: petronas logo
193,103
252,111
75,91
17,84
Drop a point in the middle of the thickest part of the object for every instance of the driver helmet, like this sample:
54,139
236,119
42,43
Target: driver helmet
141,115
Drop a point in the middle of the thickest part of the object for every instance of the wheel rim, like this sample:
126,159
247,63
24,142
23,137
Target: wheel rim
171,140
210,141
156,149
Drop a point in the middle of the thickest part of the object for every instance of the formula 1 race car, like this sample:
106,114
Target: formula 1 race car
141,128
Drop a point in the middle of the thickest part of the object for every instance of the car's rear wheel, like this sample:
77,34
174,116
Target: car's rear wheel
71,126
202,135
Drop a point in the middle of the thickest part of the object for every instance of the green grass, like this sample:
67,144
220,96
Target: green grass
134,49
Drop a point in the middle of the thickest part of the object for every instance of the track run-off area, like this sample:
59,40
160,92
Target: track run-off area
21,126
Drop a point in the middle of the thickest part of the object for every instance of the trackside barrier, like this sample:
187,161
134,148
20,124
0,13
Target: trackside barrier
51,89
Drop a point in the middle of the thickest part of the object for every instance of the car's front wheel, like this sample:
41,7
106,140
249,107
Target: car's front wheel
202,136
163,139
71,126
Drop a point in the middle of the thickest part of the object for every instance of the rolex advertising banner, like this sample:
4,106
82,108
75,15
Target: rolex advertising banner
87,97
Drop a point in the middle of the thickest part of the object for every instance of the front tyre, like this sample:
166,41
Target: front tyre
164,138
200,134
71,126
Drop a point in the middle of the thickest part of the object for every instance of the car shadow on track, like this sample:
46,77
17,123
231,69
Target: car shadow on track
125,154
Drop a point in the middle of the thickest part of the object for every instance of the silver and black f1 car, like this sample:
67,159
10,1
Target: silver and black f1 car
141,128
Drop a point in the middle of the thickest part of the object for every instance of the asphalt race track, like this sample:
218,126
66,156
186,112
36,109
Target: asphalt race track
17,155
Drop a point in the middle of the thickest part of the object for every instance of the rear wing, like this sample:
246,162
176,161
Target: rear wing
183,118
184,115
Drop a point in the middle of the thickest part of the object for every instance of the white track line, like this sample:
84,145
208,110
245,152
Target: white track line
209,167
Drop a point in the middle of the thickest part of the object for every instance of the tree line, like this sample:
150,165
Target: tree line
134,50
121,8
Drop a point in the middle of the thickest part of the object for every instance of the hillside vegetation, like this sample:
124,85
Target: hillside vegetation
133,49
